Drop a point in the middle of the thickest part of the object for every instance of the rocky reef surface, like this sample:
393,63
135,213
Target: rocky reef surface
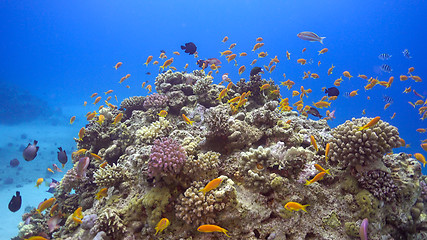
156,167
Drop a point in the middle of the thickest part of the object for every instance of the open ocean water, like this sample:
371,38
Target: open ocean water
56,54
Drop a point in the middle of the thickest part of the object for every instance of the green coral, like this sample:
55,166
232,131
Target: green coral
332,220
350,185
368,204
351,229
155,202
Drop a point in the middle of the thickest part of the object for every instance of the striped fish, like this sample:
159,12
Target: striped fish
387,99
386,68
406,53
310,36
384,56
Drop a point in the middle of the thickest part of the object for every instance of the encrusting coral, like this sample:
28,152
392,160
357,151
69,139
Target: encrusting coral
261,157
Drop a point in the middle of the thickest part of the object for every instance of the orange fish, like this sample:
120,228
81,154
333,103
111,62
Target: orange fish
394,115
224,39
187,120
72,119
226,52
353,93
272,68
230,57
314,143
262,54
301,61
94,95
303,50
257,46
421,130
232,46
411,69
242,69
167,63
101,193
45,205
82,133
186,66
118,118
149,58
288,55
259,39
331,69
390,81
324,50
294,206
321,169
318,177
97,100
387,105
84,103
362,76
370,124
102,165
403,77
176,53
314,75
416,78
243,54
118,65
211,185
347,74
420,158
155,62
212,228
108,92
327,151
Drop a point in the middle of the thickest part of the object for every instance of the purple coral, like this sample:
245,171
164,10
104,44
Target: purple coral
155,100
379,183
167,157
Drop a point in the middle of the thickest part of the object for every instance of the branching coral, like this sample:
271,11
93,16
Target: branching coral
349,146
195,208
204,166
167,158
157,129
111,175
110,222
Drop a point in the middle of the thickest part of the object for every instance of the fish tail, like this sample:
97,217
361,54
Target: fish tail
307,182
225,232
327,170
221,53
203,191
424,164
321,39
304,206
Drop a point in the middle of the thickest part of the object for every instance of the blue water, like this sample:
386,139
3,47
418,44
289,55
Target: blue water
60,52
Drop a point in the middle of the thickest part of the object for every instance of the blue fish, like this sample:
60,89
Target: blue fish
406,53
386,68
384,56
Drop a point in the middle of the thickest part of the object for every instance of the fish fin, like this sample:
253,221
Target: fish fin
307,182
304,206
321,39
182,47
225,232
327,171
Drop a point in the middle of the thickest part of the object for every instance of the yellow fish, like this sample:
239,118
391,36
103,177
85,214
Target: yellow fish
222,94
45,205
420,158
211,185
316,178
95,156
39,181
370,124
162,113
36,238
327,151
161,225
118,118
321,169
314,143
294,206
187,120
82,133
50,170
102,193
101,119
212,228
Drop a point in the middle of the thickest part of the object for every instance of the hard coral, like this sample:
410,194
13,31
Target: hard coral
167,157
155,100
349,146
132,103
379,183
111,175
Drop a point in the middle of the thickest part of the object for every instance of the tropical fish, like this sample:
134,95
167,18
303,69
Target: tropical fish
118,118
313,111
370,123
189,47
259,39
62,157
321,169
167,63
262,54
384,56
324,50
187,120
15,202
45,205
362,76
222,94
30,152
162,113
82,167
161,225
310,36
301,61
211,185
36,238
363,231
232,45
327,151
242,69
118,65
53,222
314,143
294,206
101,193
288,55
347,74
386,68
420,158
212,228
406,53
224,39
316,178
332,91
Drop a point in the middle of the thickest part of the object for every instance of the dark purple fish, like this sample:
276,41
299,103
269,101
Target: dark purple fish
310,36
15,202
62,156
30,152
82,166
189,48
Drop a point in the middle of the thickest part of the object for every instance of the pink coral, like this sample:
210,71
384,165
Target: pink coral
167,157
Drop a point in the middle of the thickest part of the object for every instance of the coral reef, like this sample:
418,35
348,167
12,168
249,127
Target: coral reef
157,166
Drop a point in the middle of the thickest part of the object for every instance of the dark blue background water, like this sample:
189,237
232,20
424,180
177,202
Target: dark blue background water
63,51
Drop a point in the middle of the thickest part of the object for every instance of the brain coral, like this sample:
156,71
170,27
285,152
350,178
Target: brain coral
349,146
155,100
167,157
